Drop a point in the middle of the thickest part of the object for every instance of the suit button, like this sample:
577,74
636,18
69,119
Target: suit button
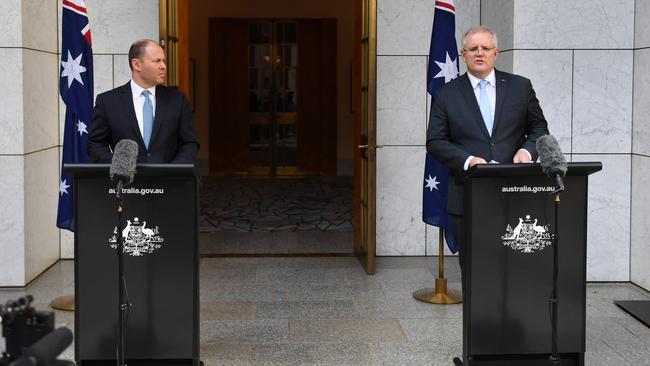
491,143
148,155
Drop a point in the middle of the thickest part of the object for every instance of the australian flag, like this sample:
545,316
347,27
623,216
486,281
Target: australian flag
443,67
76,89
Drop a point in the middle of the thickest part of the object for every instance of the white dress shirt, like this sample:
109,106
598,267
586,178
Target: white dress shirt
138,103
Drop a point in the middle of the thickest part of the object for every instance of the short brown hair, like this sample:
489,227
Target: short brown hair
137,49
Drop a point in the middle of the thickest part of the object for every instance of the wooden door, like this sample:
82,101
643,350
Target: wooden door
317,107
273,96
228,105
365,136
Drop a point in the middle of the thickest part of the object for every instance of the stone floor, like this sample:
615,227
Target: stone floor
327,311
266,205
276,216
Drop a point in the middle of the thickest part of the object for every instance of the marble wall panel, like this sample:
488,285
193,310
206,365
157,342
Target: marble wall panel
116,24
602,101
41,200
400,230
12,222
40,24
551,75
432,242
401,100
468,14
11,103
641,24
11,24
499,16
67,244
641,107
552,24
505,61
104,71
640,246
121,70
40,100
396,33
608,233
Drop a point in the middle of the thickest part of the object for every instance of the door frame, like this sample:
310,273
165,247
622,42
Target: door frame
174,17
174,37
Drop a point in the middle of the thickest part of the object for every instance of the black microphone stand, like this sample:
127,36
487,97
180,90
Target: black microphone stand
122,306
555,354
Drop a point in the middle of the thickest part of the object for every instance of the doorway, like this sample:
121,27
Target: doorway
273,96
277,143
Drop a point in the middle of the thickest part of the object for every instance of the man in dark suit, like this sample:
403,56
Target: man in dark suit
483,116
158,118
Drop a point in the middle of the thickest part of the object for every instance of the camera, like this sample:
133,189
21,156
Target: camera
22,326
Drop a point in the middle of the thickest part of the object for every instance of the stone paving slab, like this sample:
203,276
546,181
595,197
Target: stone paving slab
327,311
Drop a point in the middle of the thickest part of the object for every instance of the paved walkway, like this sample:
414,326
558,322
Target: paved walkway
327,311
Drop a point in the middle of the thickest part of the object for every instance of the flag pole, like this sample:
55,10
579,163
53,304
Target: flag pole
440,294
76,90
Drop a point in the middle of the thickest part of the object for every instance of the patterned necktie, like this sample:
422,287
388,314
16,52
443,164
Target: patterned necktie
486,108
147,118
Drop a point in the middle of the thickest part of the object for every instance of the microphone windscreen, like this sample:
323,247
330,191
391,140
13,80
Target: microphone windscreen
551,157
125,157
48,348
24,361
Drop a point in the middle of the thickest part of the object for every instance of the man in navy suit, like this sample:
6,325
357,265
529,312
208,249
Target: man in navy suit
483,116
158,118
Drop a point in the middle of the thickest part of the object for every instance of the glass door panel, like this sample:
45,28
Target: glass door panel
273,106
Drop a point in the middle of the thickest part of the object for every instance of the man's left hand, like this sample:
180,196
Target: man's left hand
521,157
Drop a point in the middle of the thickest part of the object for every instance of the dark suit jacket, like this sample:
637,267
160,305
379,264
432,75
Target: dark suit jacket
173,139
456,128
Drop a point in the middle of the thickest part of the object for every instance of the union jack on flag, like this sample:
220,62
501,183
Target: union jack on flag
76,89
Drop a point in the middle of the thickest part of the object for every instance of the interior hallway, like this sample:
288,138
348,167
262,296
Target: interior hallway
327,311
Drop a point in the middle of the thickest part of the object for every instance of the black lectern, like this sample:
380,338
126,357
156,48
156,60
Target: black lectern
161,260
509,218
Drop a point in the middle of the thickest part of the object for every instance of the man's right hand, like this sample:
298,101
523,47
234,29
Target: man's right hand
476,160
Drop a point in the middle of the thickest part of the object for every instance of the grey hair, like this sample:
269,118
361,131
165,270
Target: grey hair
480,29
137,49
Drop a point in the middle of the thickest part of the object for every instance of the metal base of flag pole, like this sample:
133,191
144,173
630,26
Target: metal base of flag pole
65,303
439,295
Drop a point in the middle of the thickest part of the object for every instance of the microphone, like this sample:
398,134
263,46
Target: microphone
122,168
47,349
552,159
25,301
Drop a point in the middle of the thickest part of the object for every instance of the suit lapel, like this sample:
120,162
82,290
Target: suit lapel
501,96
129,110
470,98
160,111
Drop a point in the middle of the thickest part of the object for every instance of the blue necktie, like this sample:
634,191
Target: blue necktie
486,108
147,118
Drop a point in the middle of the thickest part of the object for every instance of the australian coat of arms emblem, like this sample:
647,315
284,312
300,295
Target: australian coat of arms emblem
527,236
138,238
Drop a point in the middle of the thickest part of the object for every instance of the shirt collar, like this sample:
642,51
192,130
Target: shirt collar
137,90
491,79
